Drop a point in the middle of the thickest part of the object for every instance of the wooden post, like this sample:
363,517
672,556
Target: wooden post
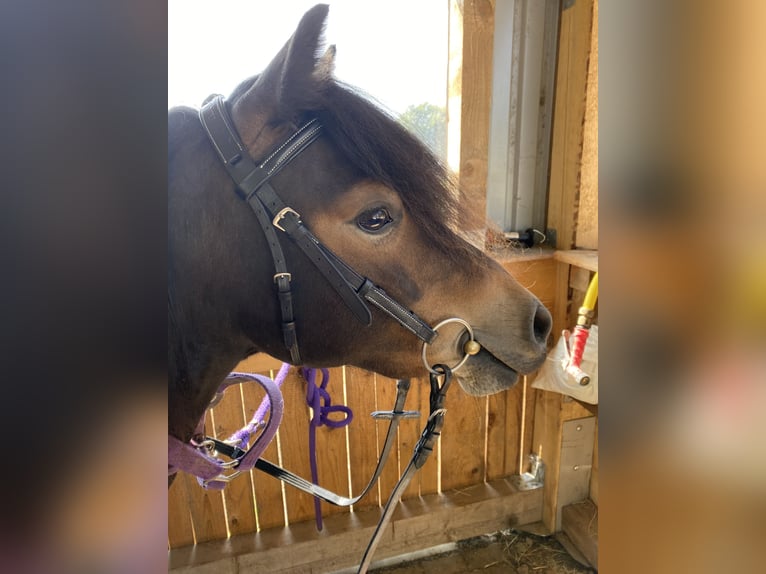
575,43
471,32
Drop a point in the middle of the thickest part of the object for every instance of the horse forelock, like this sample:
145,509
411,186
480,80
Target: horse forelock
381,148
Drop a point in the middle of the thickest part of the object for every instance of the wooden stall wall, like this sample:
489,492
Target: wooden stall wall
480,442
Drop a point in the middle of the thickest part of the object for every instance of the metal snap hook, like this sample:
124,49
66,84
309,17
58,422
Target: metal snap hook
470,348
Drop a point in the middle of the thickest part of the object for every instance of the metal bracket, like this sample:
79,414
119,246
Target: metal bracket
551,238
534,478
567,4
388,415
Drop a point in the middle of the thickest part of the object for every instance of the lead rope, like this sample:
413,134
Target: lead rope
318,399
241,438
422,451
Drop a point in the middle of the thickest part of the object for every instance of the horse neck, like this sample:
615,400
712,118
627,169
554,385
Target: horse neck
198,361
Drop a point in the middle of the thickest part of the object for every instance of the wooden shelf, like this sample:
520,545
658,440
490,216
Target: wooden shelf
587,259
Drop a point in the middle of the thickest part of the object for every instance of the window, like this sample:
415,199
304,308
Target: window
524,65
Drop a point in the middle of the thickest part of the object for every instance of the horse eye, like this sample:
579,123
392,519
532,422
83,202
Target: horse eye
374,220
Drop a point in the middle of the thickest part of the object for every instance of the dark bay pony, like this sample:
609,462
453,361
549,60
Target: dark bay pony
375,196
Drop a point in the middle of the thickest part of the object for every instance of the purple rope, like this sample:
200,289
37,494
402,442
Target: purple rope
243,435
318,398
191,458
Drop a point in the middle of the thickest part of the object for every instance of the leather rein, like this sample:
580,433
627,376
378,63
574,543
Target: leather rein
253,185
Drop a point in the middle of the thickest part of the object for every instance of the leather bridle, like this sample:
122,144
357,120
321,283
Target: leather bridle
253,185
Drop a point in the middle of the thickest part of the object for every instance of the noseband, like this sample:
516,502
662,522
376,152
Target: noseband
273,214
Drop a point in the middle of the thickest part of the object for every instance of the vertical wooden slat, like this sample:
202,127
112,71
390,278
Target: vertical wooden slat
462,459
268,490
205,506
180,531
409,433
568,117
499,439
385,392
532,394
587,212
332,457
428,475
362,441
238,495
503,438
547,434
294,443
470,94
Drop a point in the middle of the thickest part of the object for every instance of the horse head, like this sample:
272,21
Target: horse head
369,191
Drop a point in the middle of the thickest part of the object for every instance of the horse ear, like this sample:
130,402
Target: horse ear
326,65
291,82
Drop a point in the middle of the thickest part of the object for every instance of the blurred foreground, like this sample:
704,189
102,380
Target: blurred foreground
683,297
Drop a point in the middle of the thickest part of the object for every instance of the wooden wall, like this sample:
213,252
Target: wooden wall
480,442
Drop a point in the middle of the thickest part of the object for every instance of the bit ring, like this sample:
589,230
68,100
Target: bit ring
465,356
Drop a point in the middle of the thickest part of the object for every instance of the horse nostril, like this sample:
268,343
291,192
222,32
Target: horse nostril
542,324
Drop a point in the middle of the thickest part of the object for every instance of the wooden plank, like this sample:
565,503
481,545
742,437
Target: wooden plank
332,456
500,435
268,490
573,409
205,506
385,397
579,279
593,490
579,521
529,427
462,440
238,500
180,531
560,309
409,434
568,117
362,434
429,475
259,363
418,523
294,445
547,434
585,258
455,80
504,427
552,412
587,212
469,97
576,460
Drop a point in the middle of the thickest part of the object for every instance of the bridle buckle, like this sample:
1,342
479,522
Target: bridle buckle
281,215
